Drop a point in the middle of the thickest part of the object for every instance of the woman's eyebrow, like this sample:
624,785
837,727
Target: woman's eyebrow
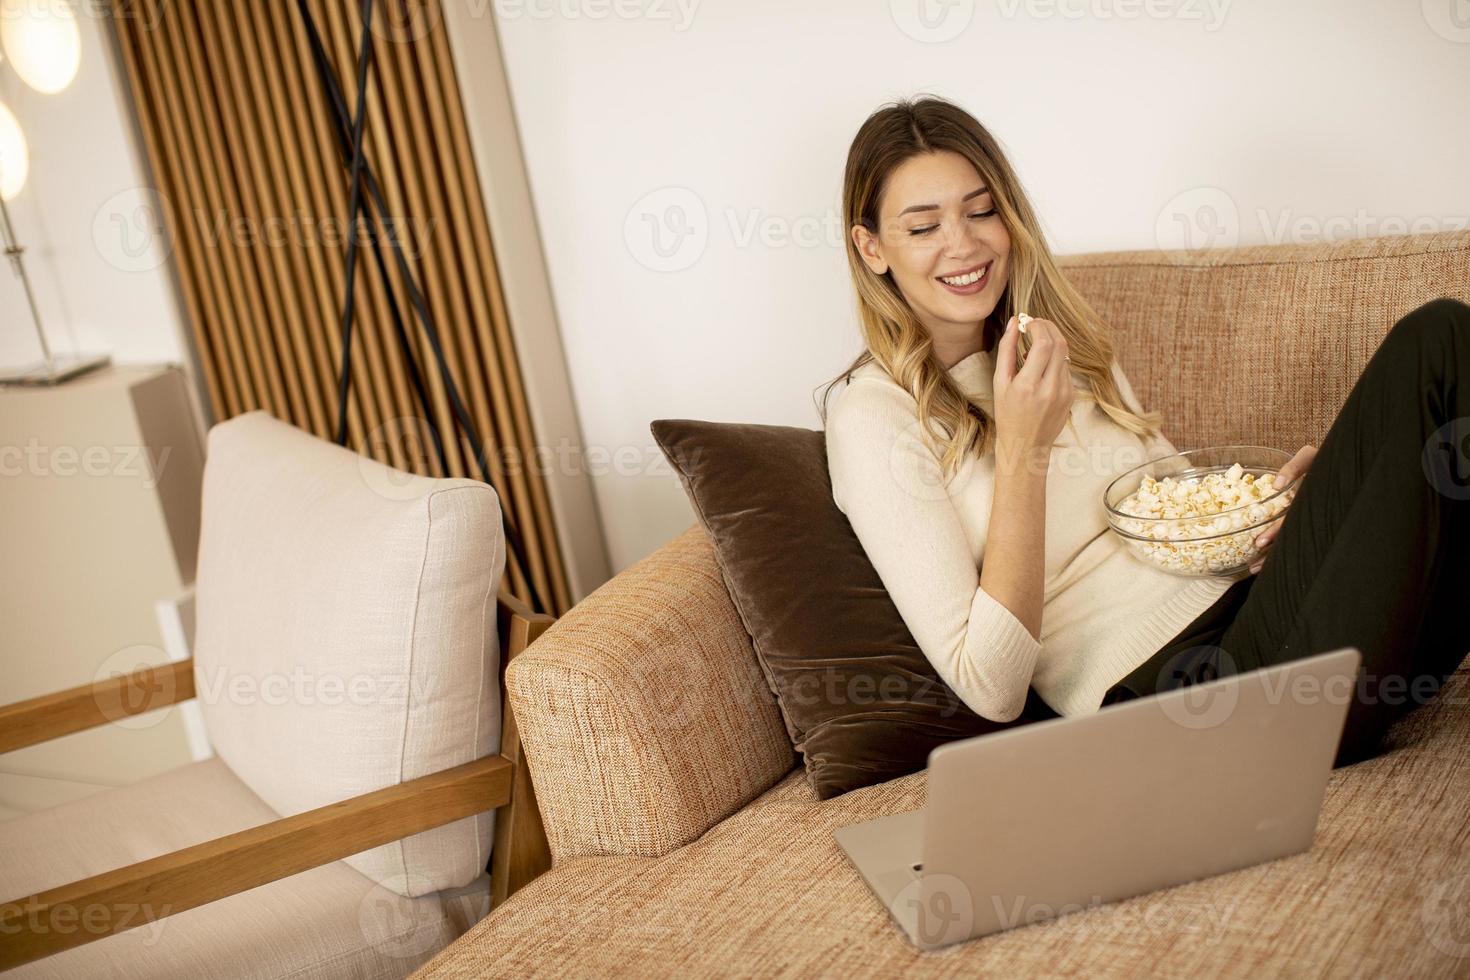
934,207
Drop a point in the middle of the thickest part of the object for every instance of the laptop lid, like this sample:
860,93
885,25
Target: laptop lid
1056,816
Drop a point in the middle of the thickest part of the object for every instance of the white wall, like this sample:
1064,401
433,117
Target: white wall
1250,121
93,252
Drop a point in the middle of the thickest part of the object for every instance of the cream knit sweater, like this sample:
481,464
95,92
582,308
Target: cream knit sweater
1104,612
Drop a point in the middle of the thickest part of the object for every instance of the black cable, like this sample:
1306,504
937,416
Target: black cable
364,177
415,375
364,60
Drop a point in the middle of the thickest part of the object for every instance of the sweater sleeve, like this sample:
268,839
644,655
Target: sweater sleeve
886,479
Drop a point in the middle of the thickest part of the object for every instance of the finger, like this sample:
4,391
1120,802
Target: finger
1298,463
1058,369
1044,338
1005,354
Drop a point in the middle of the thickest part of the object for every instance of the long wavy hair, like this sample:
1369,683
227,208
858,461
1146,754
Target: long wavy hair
892,334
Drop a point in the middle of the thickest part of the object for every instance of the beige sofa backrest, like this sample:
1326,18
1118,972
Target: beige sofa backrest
643,711
1261,345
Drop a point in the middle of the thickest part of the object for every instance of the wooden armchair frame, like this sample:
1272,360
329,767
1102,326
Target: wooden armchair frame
110,902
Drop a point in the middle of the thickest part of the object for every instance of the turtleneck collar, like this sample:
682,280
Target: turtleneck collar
975,373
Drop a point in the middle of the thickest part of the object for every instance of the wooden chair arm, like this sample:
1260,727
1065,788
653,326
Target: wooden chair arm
90,909
114,901
89,705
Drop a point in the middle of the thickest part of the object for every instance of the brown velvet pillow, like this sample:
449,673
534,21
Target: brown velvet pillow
860,700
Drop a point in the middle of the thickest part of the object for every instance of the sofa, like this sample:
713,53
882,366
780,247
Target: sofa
687,841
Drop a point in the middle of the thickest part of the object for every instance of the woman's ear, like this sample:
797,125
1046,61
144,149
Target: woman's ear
867,246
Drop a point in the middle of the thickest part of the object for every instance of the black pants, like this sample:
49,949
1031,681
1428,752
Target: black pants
1374,551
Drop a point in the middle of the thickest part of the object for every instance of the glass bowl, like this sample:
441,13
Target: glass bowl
1219,544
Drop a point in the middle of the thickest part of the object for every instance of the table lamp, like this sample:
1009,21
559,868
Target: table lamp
40,40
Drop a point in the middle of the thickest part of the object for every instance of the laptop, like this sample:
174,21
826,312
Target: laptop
1066,814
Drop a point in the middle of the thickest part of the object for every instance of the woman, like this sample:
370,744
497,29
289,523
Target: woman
943,450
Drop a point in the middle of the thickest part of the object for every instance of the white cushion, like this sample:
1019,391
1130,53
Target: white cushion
346,632
327,922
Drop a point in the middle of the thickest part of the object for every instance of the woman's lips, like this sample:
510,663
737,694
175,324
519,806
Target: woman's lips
973,287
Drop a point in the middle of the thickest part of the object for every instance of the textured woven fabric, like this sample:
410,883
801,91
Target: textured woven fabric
346,635
1243,345
1384,892
644,713
1262,344
322,924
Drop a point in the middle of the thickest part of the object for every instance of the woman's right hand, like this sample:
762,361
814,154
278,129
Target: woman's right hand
1032,404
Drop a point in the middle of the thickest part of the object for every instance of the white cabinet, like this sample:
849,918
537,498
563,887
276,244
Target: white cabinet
99,520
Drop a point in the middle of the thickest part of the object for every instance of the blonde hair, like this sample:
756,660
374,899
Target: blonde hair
895,338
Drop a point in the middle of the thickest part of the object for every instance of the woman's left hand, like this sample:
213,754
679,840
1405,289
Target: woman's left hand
1294,468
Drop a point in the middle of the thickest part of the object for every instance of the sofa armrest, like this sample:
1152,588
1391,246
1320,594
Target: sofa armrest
644,712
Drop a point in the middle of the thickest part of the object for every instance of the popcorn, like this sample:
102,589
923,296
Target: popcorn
1188,523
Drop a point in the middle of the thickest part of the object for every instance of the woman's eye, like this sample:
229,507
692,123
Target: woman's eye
926,229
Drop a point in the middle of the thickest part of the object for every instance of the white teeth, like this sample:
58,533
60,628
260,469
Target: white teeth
966,279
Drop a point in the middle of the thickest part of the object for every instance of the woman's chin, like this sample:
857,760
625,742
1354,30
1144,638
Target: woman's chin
967,309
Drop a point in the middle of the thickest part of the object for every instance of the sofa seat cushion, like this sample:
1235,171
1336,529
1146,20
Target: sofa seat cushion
1385,891
328,922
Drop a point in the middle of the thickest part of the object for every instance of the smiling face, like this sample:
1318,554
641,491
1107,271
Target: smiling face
946,246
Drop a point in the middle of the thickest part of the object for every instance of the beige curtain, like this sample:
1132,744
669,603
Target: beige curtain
253,193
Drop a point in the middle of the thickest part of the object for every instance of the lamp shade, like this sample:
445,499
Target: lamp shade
14,157
41,39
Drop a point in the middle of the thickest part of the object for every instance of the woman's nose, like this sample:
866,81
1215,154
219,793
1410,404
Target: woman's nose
959,240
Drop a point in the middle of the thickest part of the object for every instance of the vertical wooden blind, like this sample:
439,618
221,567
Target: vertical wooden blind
254,195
